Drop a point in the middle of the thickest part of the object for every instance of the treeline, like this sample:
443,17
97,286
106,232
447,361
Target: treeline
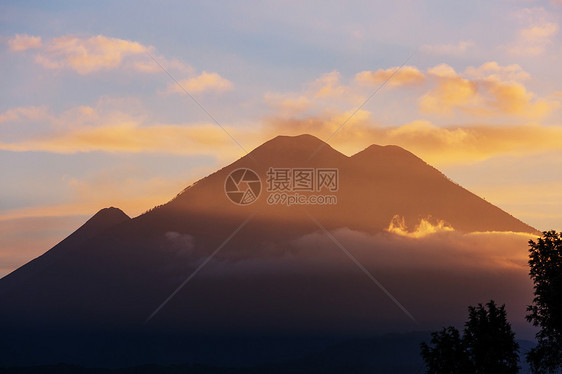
488,344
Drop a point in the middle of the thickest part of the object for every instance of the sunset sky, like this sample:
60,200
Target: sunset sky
89,120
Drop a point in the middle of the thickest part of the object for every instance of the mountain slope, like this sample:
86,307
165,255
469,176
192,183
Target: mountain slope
402,184
101,221
32,286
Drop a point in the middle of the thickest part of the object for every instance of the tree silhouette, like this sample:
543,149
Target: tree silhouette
488,345
446,353
545,261
489,340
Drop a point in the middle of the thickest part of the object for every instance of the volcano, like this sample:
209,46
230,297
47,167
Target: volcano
257,266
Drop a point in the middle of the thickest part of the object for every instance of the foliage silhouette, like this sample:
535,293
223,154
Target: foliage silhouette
487,346
447,353
545,262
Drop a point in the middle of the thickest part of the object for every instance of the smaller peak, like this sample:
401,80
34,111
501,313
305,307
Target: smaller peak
388,153
111,213
107,217
375,149
101,221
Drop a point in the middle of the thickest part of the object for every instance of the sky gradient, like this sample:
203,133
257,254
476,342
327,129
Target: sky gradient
89,120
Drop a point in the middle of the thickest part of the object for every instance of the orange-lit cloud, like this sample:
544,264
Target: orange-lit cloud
493,70
488,96
442,71
436,145
128,137
424,228
87,55
97,53
451,92
202,83
536,36
484,90
32,113
329,86
408,75
488,90
24,42
471,143
114,125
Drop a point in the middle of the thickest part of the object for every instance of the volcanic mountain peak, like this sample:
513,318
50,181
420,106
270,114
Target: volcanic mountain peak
390,152
107,217
294,148
101,221
304,147
377,149
300,141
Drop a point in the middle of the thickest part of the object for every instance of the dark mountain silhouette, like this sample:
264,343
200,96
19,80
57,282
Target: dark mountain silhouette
113,272
28,275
